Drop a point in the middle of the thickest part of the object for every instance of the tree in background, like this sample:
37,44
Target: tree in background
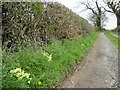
113,7
97,13
93,19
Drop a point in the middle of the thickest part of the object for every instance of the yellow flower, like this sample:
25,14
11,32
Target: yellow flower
19,75
30,78
27,75
28,82
49,57
19,78
18,69
45,53
15,70
12,71
39,83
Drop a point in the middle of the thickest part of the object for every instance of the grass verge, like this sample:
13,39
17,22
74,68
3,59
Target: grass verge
38,68
118,33
114,39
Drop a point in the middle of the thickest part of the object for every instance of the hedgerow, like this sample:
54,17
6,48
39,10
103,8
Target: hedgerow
37,23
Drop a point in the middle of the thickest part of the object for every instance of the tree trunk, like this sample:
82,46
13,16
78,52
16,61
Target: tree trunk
98,22
118,22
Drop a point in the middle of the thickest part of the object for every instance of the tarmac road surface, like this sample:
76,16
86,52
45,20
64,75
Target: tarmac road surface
100,68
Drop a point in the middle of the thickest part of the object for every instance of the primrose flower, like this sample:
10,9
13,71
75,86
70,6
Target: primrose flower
30,78
19,75
45,54
27,75
19,78
28,82
12,71
15,70
18,69
49,57
39,83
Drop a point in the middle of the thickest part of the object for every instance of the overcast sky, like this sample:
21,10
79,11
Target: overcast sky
75,7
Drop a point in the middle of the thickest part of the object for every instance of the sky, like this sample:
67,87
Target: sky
74,5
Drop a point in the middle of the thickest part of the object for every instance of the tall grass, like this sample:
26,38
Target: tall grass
45,72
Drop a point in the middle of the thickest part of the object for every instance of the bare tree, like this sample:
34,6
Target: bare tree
92,17
114,7
96,11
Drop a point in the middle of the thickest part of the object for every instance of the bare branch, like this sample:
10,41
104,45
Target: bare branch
89,7
107,10
114,5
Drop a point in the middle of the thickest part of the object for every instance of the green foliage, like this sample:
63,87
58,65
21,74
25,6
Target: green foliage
114,39
39,7
44,72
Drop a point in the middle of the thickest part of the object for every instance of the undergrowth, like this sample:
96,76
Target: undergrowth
44,68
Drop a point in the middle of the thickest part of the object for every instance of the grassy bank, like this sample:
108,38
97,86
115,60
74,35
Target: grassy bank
38,68
118,33
114,39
